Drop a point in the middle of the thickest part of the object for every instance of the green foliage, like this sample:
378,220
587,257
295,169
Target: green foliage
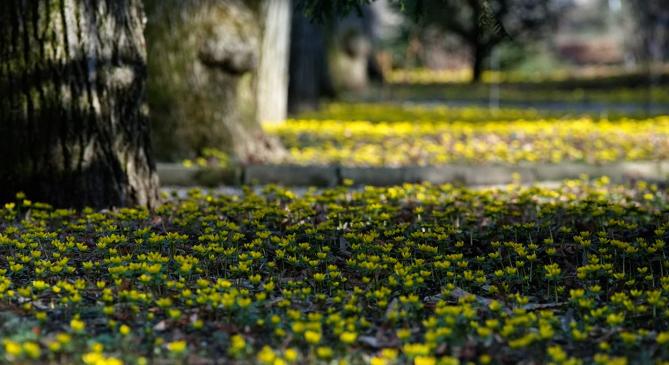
482,25
405,274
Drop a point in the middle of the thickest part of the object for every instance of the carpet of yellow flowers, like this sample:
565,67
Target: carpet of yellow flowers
413,274
388,135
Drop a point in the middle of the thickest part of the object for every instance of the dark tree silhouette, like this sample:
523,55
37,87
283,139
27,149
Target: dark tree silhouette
485,24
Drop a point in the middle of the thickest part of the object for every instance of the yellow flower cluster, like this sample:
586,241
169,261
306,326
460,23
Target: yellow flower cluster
438,136
412,274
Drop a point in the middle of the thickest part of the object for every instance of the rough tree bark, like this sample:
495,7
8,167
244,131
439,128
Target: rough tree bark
272,84
203,55
73,127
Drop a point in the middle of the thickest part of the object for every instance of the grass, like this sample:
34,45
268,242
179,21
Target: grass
598,84
408,274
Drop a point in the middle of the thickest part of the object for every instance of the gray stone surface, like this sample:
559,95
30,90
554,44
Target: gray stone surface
381,176
291,175
175,174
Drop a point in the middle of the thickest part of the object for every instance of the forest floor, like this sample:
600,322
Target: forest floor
407,274
568,272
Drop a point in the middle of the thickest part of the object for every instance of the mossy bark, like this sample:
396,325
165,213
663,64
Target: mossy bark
73,127
203,55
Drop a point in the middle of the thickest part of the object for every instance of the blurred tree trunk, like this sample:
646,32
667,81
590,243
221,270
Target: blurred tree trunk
203,58
478,58
476,41
272,86
309,75
73,128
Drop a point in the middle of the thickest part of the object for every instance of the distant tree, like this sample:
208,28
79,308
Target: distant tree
309,78
332,48
650,29
485,24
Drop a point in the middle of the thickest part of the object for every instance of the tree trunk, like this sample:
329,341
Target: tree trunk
476,41
478,58
73,126
203,56
309,73
272,84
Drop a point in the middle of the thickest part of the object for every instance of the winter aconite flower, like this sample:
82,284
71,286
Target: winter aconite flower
312,337
77,325
177,347
417,274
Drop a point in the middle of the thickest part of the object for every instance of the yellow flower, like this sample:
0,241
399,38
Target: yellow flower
54,346
348,337
198,324
63,338
12,348
97,347
378,361
297,327
32,350
255,279
495,305
77,325
312,337
416,349
177,347
40,285
552,271
324,352
266,355
237,344
174,313
403,333
448,360
389,353
93,358
96,358
557,353
546,331
615,319
425,360
290,354
663,338
124,330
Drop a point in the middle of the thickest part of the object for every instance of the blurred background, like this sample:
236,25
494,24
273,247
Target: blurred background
243,82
